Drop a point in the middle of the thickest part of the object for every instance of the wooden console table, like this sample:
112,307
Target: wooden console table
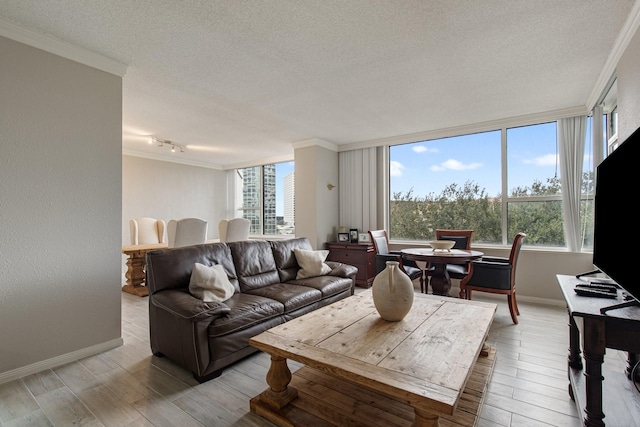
361,255
135,267
616,396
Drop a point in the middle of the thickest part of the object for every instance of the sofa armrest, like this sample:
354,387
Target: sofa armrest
342,270
187,307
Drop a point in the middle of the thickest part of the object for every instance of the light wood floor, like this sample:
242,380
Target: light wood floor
127,386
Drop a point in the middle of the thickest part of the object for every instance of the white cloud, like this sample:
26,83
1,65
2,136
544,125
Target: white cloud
452,164
423,149
396,168
546,160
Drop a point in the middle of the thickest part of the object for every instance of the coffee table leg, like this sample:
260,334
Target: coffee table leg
278,378
424,418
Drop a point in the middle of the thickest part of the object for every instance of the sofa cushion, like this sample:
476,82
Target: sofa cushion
210,283
286,262
327,285
245,310
311,263
254,264
291,296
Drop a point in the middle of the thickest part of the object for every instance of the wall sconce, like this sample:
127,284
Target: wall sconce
162,143
330,187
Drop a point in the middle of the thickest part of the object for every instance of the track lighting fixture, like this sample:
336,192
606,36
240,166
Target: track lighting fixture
172,145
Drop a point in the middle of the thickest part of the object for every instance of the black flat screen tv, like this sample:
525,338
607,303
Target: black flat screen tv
616,250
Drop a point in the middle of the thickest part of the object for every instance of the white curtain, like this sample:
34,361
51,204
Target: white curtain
571,135
358,189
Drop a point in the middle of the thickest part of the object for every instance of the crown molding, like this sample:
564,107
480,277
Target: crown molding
267,161
528,119
315,142
172,159
58,47
620,45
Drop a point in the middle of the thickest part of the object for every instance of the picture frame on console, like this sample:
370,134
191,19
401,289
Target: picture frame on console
343,237
354,235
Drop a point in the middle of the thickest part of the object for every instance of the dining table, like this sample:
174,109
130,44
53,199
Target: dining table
439,258
136,263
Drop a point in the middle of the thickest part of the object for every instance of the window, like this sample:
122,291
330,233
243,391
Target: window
534,203
498,183
446,183
265,196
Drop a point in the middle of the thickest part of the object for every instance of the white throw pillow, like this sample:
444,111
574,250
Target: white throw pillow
210,283
311,263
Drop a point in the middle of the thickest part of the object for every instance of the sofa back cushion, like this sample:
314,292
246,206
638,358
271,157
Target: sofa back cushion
171,268
285,258
254,264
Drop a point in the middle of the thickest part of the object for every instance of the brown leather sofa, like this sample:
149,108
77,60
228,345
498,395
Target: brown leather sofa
205,337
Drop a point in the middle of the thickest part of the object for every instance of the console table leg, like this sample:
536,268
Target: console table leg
593,350
575,359
632,360
278,377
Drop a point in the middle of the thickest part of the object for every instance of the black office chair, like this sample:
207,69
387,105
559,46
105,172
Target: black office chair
496,275
380,241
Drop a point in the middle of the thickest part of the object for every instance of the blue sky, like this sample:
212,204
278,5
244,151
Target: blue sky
429,166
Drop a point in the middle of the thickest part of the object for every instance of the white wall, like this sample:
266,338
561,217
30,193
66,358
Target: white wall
629,89
167,191
316,206
60,205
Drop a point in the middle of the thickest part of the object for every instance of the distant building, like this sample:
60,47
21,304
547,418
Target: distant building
289,199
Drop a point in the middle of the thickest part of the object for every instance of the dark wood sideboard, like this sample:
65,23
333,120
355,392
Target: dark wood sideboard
361,255
601,389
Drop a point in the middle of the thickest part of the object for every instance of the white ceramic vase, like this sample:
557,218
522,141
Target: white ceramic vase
392,292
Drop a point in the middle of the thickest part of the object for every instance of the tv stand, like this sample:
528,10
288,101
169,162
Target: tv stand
590,334
588,273
631,303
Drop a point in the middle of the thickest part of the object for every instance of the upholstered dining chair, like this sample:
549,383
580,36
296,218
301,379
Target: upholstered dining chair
186,232
234,230
380,241
497,275
462,239
146,231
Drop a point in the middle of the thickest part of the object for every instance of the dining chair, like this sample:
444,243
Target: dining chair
380,241
186,232
234,230
462,239
496,275
146,231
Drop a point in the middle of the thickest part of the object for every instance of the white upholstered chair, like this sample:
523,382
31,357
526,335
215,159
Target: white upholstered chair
146,231
234,230
186,232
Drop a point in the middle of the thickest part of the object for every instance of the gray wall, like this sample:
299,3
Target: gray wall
60,204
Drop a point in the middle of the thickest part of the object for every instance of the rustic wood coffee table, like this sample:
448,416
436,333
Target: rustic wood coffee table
363,370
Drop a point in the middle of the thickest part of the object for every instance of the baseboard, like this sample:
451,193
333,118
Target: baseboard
54,362
533,300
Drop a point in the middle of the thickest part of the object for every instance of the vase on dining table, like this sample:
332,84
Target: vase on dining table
392,292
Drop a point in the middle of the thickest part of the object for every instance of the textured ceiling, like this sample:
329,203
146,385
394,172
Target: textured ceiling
241,81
